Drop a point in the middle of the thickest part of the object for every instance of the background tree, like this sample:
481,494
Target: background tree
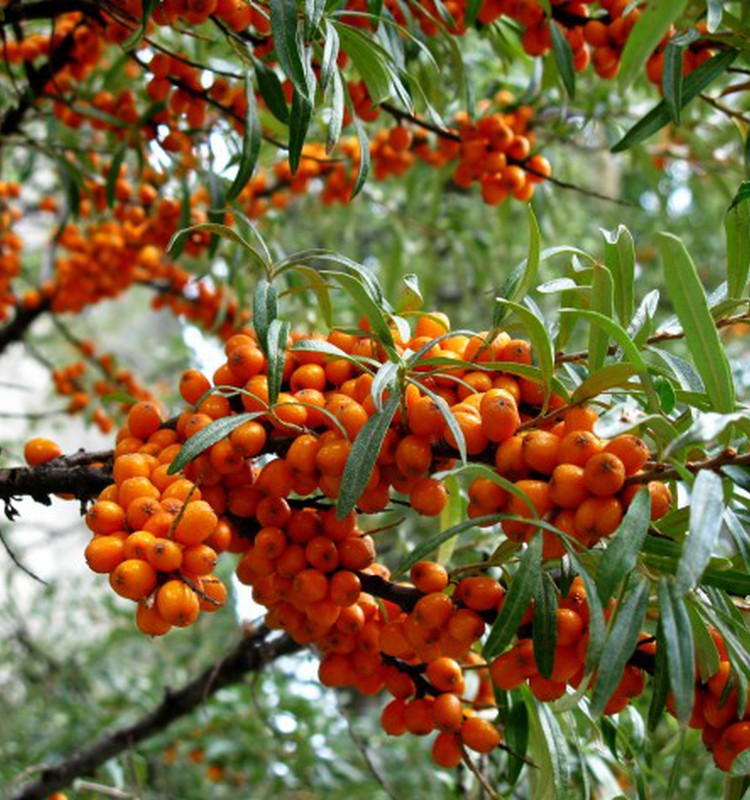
440,512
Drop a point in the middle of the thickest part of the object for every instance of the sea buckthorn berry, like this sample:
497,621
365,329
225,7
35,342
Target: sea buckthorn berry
567,487
597,517
545,689
499,414
509,459
105,517
418,717
138,544
480,735
537,495
446,675
446,750
429,577
433,610
39,451
470,423
197,522
344,588
164,555
177,603
392,719
133,579
631,450
428,497
200,559
193,385
425,418
466,625
149,621
413,456
569,627
577,447
356,552
104,553
540,451
604,474
480,593
447,712
144,418
509,670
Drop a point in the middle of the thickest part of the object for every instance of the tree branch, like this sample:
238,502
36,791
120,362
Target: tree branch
44,9
250,655
23,319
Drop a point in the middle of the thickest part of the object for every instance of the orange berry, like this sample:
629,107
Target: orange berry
567,487
428,497
177,603
39,451
149,621
480,735
604,474
540,451
144,418
446,750
196,524
631,450
133,579
104,553
577,447
499,414
429,577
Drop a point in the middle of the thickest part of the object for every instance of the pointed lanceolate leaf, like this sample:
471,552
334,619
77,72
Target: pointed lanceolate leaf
737,227
672,76
706,507
651,26
601,300
301,115
429,546
521,279
265,310
545,625
693,85
678,636
623,548
271,91
276,338
208,436
619,646
284,25
660,684
564,59
619,256
691,306
521,591
250,144
362,456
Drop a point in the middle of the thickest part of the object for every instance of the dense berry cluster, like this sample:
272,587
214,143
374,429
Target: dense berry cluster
266,490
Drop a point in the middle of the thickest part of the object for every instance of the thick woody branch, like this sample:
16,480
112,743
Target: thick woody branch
663,472
23,319
46,9
250,655
74,475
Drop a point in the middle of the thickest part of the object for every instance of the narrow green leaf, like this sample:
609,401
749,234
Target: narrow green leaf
678,636
517,738
564,59
336,122
601,300
520,593
428,547
385,380
114,173
672,77
286,44
713,19
370,60
623,548
706,653
363,170
691,306
557,754
250,143
540,341
214,432
545,625
314,10
522,278
693,85
604,379
265,310
224,231
660,683
362,456
301,115
271,91
619,256
276,339
706,508
369,308
619,646
650,28
330,54
630,351
450,420
737,227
